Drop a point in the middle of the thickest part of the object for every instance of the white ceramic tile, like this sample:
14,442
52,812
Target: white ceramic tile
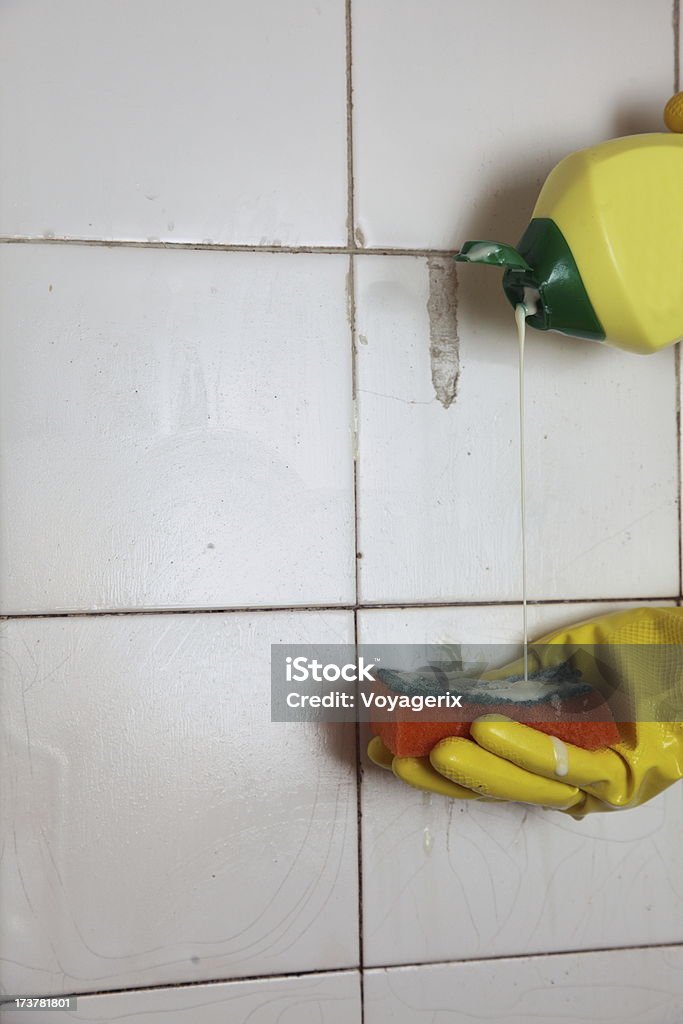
175,429
460,110
504,880
332,998
154,119
439,490
629,986
159,828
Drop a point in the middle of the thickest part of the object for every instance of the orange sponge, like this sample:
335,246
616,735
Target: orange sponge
416,733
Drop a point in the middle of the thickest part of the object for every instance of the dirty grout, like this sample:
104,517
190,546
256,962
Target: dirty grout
353,240
360,607
323,250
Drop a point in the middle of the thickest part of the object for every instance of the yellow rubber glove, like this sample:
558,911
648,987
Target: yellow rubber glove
505,760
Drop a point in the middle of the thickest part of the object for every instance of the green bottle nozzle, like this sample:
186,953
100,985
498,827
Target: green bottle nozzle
547,274
492,254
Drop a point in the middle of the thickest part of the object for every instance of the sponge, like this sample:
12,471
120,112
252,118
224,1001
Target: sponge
553,700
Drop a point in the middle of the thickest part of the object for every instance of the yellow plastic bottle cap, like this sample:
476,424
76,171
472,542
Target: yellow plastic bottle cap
673,113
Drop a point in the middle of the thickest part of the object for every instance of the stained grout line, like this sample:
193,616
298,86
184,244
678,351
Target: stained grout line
162,986
350,198
323,250
361,607
324,972
359,841
351,309
357,737
351,300
126,612
543,955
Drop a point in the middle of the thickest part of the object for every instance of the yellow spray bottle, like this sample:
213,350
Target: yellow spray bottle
602,257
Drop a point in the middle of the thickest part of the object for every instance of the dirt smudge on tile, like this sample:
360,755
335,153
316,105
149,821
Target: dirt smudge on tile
444,344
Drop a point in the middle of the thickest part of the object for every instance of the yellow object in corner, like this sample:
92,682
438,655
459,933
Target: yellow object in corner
602,256
673,113
619,206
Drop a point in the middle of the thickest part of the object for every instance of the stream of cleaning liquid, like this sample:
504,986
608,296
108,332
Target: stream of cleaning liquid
522,311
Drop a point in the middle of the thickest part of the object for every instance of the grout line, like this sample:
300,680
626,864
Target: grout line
366,606
350,198
324,250
241,979
351,300
236,610
370,605
676,24
162,986
526,956
351,307
359,842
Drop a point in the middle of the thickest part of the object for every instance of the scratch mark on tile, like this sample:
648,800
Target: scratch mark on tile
444,344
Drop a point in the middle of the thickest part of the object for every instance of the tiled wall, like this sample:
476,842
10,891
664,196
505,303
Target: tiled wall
245,399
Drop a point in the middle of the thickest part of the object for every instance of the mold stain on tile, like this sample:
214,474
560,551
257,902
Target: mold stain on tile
444,344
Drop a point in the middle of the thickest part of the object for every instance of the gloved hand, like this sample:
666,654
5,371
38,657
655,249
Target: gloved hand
505,760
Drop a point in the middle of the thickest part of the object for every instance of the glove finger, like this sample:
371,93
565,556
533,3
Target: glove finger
467,764
534,751
379,754
418,772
